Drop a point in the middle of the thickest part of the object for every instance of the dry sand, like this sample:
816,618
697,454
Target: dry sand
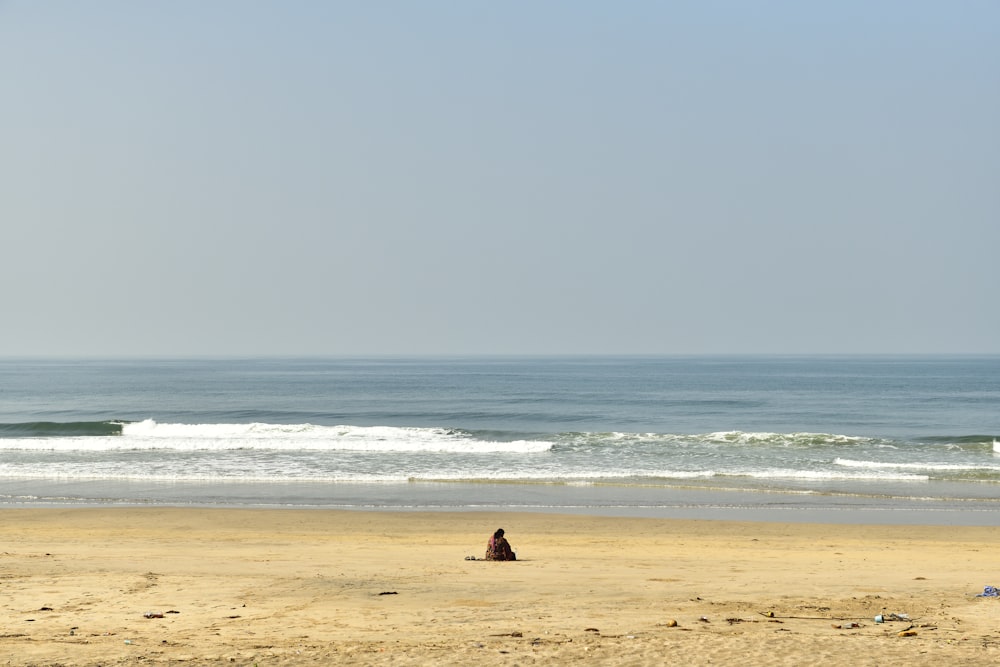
316,587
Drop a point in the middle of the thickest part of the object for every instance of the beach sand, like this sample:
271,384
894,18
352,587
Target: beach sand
317,587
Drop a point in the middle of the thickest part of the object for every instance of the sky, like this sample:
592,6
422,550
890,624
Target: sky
190,178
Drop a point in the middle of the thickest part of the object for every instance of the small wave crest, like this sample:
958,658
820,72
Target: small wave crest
785,439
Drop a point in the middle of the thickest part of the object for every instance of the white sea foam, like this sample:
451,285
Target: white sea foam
150,450
282,472
879,465
819,475
149,434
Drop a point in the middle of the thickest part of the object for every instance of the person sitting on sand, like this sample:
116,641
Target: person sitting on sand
498,548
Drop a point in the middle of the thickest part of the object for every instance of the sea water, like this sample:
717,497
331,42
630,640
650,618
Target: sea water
799,438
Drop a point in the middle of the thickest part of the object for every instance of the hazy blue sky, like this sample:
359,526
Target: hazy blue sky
233,177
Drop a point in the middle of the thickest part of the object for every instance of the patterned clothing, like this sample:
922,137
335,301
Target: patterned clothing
499,549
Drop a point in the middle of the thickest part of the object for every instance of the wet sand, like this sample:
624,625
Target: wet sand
316,587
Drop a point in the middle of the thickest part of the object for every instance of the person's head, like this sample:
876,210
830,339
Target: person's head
499,533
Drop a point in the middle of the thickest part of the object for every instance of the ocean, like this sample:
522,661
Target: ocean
838,438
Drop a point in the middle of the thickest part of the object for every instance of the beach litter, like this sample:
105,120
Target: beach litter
153,614
882,618
989,592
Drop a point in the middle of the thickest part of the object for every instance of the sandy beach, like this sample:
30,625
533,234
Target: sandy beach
311,587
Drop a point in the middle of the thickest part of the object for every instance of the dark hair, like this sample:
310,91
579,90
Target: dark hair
499,533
